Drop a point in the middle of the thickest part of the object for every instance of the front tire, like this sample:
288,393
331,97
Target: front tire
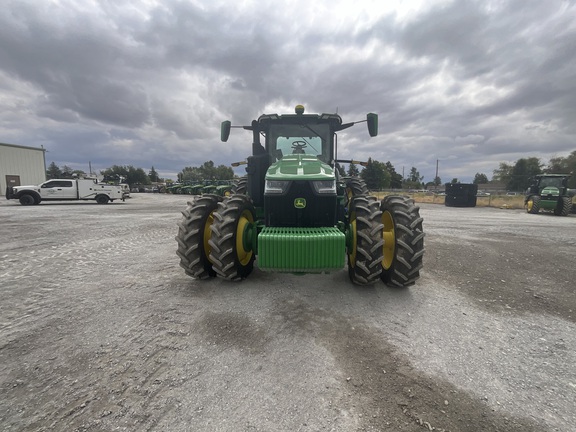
193,236
355,186
240,185
27,200
232,232
533,204
364,240
565,205
403,241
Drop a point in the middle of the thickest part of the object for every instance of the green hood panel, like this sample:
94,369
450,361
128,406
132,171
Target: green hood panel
300,166
550,190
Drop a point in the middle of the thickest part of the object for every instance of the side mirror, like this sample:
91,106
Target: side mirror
372,121
225,130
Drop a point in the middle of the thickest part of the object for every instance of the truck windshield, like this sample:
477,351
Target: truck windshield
286,139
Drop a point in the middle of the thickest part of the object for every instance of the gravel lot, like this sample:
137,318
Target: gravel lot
101,330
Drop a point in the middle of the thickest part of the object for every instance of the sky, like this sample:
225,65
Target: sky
462,85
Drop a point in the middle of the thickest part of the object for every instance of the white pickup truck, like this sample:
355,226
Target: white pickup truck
66,190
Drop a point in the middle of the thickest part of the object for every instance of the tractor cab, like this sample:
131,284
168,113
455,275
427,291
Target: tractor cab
297,147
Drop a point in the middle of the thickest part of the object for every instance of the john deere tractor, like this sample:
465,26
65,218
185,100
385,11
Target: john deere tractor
549,192
295,213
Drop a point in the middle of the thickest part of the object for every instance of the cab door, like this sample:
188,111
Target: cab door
58,189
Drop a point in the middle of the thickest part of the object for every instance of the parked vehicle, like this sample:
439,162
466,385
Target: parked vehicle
66,190
549,192
297,214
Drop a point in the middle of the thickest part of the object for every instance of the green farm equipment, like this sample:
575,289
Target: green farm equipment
296,214
549,192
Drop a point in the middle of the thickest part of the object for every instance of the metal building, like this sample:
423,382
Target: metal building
21,165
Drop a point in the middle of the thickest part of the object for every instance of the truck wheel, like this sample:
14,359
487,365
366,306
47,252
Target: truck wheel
239,186
365,240
102,199
27,199
403,241
232,252
532,204
193,235
565,204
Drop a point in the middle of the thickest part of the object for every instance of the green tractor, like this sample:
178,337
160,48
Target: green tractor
549,192
296,214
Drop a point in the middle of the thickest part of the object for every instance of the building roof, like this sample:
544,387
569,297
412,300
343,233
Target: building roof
23,147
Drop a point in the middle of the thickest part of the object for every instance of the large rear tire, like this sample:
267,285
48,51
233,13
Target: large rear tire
403,241
102,199
193,236
365,240
532,204
232,231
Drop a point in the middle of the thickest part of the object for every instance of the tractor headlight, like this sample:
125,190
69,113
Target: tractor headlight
325,186
276,186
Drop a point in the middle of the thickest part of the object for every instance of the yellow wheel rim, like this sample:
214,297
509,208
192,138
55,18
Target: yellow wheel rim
227,193
389,235
354,240
529,205
246,220
207,234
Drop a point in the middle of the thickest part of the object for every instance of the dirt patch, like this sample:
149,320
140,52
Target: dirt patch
100,329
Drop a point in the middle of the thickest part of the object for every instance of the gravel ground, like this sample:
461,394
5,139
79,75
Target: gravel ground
101,330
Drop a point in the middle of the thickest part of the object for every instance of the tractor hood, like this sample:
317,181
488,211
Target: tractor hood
300,167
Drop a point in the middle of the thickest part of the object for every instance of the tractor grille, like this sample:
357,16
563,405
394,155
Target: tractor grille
307,250
320,211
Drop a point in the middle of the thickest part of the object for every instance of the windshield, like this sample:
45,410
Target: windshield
299,139
551,182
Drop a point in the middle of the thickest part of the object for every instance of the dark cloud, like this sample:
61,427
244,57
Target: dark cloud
468,83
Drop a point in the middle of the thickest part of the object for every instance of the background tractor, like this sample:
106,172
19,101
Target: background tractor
549,192
296,214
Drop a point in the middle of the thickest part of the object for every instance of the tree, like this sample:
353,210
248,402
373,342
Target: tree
375,175
503,173
480,178
207,171
67,171
454,180
437,181
395,178
190,175
125,174
353,170
414,180
53,171
524,169
153,175
564,165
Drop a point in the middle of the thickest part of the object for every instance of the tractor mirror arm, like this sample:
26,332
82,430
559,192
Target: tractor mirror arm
355,162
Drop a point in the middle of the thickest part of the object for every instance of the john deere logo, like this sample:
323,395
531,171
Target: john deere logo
299,203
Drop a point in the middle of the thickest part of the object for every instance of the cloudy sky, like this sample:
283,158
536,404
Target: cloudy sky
469,83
